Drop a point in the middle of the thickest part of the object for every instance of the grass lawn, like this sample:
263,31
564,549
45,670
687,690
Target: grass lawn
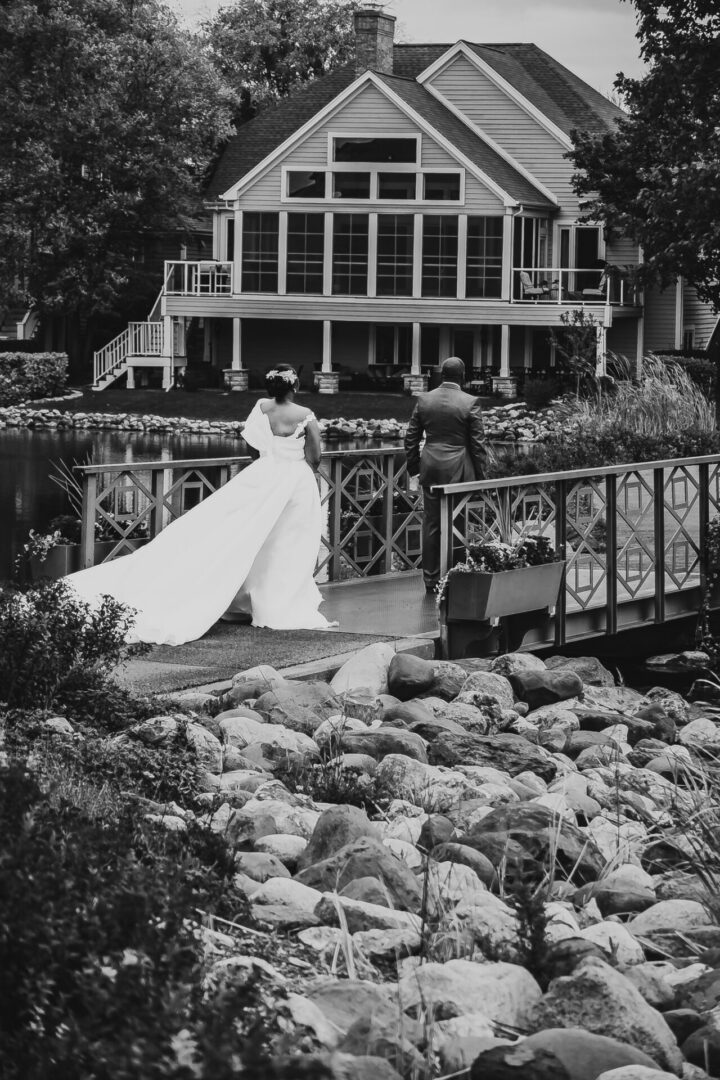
224,405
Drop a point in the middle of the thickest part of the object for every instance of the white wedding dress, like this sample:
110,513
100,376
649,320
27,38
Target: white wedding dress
250,547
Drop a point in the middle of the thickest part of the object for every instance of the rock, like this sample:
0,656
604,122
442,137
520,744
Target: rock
239,731
361,858
383,741
274,738
157,731
510,663
438,829
616,941
260,865
360,916
343,1002
366,669
208,749
626,889
433,726
448,680
299,706
701,733
486,921
667,916
464,855
384,944
636,1072
557,1054
545,687
702,1047
409,676
285,891
503,992
405,713
284,846
253,683
589,668
337,827
509,753
600,999
705,690
563,956
650,979
494,687
473,720
306,1013
363,1067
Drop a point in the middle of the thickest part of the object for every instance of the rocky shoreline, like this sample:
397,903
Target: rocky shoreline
503,423
484,868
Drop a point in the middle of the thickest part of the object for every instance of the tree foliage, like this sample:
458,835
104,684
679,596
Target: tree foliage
266,48
110,114
656,178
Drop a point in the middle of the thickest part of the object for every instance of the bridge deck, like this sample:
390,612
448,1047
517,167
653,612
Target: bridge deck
392,604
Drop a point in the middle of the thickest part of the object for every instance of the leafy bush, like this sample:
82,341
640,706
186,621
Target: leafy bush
101,956
538,393
25,376
51,640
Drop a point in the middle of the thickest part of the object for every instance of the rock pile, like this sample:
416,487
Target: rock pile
502,866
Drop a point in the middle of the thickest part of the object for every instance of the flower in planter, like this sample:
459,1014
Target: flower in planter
495,556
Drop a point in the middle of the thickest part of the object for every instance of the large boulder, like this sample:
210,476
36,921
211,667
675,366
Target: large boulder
504,992
363,858
539,688
383,741
486,685
405,713
509,753
448,679
600,999
409,676
589,668
300,706
557,1054
253,682
360,916
366,670
337,827
509,663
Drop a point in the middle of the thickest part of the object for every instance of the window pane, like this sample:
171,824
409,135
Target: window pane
484,257
351,185
306,185
396,185
395,255
260,252
440,186
440,245
306,234
377,150
350,254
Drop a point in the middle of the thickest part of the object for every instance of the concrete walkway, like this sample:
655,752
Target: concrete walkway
392,607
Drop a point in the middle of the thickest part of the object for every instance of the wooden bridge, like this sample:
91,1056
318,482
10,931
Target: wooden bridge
633,535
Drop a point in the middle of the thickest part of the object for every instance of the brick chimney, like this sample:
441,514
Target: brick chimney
374,38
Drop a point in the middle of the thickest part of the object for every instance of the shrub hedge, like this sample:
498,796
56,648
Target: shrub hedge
26,375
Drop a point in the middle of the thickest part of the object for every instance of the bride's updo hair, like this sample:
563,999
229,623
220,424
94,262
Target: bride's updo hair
280,380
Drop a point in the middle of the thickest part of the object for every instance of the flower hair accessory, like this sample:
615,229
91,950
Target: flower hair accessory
287,376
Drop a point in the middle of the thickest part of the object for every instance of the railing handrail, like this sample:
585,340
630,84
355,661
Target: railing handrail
579,474
195,463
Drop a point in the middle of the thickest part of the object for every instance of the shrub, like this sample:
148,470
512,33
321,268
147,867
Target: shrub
26,375
51,640
538,393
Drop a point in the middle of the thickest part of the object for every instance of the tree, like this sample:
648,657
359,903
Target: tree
656,176
266,48
110,115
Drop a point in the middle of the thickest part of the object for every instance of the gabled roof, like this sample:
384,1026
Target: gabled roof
466,141
564,98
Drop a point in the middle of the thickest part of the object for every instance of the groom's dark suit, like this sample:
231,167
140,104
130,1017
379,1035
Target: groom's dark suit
454,453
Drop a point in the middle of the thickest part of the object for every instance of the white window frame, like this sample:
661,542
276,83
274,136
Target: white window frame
335,134
374,171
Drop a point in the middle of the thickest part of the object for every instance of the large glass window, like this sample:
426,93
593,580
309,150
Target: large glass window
484,256
350,254
395,255
306,185
351,185
352,148
396,185
305,244
440,246
260,252
440,187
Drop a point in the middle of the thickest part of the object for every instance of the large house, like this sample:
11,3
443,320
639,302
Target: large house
415,205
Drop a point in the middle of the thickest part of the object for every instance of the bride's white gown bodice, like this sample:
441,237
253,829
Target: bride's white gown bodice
251,546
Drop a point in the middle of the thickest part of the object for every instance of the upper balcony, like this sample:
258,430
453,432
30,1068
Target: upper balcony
609,286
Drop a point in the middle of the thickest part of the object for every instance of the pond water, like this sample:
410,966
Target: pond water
30,500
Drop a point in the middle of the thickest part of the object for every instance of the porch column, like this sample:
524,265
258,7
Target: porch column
207,341
327,381
505,384
131,378
507,250
167,351
237,251
528,348
477,361
415,382
444,344
235,377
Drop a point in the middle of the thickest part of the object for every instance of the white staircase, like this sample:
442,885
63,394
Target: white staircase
18,324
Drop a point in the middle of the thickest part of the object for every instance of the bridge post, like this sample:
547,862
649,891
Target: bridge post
87,524
659,543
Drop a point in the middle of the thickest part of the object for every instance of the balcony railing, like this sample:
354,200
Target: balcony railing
633,535
201,278
560,285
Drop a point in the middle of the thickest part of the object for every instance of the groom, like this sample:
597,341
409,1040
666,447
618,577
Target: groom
454,452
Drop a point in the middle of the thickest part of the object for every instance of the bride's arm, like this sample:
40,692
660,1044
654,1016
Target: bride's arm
312,444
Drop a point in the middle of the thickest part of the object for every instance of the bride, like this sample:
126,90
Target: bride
250,547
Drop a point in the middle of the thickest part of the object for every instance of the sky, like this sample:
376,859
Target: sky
594,38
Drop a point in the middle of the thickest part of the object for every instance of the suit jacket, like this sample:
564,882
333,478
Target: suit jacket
454,450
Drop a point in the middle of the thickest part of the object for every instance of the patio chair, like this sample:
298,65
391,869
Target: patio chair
600,292
528,291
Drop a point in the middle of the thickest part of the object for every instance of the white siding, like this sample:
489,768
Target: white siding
622,252
511,127
659,319
699,315
368,111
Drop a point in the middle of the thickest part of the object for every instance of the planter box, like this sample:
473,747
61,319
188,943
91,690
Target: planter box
64,559
476,596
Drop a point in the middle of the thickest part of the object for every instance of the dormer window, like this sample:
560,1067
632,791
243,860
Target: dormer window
380,151
351,185
396,185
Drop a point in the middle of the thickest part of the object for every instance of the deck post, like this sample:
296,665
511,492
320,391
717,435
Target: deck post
327,381
659,543
505,384
87,525
235,377
415,382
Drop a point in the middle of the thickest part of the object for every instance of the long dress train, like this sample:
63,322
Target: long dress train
251,546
